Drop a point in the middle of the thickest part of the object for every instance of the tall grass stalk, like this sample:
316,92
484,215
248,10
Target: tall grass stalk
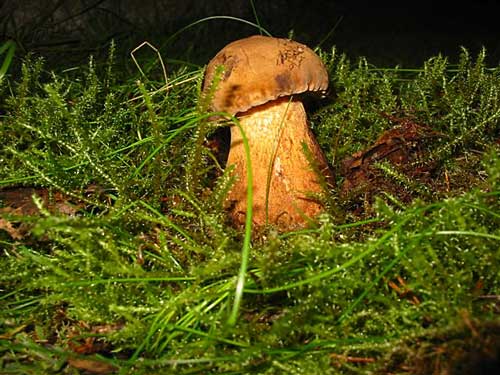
9,49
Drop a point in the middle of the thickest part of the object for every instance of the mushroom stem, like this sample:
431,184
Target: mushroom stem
284,182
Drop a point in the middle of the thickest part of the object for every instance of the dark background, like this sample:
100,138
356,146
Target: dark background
388,33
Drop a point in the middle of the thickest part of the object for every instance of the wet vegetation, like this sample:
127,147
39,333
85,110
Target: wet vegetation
117,255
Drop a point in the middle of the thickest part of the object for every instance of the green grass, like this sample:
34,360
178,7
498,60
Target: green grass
9,48
147,275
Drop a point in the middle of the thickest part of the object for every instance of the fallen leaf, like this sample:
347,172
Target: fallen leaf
10,229
92,365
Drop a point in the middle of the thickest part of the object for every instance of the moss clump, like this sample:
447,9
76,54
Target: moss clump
120,255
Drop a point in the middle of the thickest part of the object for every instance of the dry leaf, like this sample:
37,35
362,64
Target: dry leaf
92,365
9,228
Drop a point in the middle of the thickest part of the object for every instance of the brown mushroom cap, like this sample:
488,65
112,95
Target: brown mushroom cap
259,69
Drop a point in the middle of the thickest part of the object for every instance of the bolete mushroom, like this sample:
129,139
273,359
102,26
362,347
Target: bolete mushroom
260,81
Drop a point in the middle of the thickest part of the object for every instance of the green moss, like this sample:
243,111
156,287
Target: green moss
127,243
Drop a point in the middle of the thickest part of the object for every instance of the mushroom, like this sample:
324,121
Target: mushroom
259,84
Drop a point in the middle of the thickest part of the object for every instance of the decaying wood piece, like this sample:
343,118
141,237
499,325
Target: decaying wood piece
404,147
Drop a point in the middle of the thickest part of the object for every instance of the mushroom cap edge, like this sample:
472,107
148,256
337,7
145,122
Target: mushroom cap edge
259,69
